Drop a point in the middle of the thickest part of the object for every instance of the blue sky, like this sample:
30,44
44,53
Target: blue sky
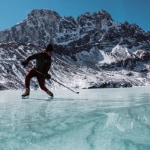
133,11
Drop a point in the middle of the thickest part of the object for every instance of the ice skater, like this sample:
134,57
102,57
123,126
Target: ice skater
43,64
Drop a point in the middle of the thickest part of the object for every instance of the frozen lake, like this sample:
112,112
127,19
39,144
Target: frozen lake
95,119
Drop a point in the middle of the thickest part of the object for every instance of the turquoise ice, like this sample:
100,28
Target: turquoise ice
95,119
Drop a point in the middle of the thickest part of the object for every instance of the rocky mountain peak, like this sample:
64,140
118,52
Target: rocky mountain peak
104,15
94,42
42,17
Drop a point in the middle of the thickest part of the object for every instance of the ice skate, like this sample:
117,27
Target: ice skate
50,93
26,94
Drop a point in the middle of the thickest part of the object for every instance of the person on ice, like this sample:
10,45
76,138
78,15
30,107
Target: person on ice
43,64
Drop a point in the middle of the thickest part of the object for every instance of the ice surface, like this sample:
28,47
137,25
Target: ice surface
95,119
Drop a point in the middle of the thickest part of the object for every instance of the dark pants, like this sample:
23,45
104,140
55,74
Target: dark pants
40,78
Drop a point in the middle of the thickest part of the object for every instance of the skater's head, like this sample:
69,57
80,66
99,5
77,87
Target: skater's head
49,49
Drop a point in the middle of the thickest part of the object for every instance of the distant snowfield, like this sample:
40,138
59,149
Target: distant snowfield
94,119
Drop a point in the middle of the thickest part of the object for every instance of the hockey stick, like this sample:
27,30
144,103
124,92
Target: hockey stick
57,82
64,86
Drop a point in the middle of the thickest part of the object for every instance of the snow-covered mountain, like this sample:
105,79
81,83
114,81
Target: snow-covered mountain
91,51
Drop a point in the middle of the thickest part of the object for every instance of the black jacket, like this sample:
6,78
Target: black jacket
43,62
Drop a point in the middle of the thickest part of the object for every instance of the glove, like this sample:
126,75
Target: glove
24,63
48,76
